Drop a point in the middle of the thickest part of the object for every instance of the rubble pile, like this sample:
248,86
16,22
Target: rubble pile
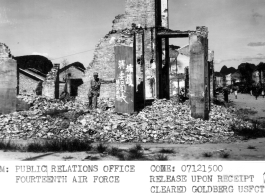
165,121
43,103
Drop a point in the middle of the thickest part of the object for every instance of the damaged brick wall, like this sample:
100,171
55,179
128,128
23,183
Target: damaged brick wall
27,85
51,83
140,13
104,63
8,80
164,13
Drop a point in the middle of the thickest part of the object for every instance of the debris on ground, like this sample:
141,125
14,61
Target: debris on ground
165,121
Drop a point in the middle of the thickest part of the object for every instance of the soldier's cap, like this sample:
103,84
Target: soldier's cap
95,74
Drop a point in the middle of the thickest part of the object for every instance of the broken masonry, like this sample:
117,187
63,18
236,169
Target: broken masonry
145,27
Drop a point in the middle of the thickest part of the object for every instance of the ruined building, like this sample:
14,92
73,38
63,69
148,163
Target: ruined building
72,74
138,13
31,70
55,82
29,79
145,23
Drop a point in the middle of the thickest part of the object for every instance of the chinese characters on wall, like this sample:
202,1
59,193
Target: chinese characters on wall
124,80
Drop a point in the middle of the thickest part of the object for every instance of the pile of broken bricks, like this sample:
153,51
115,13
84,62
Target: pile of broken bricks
165,121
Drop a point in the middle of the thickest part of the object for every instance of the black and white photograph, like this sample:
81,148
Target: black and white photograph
130,81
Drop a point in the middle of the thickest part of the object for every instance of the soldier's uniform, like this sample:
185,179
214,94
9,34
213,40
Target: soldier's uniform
94,91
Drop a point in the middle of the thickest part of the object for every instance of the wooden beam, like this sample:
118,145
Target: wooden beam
134,71
167,65
158,50
158,68
168,33
173,35
143,58
207,79
158,19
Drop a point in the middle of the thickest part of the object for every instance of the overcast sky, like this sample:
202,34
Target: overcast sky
57,28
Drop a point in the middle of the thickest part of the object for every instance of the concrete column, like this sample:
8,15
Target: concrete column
8,85
199,74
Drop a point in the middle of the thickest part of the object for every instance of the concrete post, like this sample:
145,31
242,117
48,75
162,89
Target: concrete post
8,81
199,73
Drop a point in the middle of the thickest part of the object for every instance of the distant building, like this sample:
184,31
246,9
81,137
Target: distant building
72,74
29,79
178,70
219,79
228,80
33,68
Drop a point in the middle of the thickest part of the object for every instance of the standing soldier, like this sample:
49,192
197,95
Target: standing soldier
94,91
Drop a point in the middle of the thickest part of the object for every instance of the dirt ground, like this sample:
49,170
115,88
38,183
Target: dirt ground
245,150
246,101
242,150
